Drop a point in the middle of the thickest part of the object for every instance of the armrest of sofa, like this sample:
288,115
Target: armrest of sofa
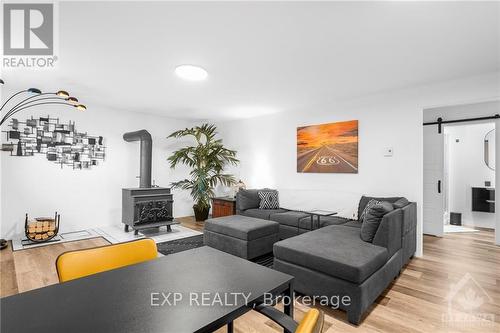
409,231
409,217
389,233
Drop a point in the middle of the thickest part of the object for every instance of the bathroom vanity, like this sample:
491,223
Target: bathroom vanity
483,199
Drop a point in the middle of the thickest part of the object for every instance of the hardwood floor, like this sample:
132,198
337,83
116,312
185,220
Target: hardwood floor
35,268
189,222
415,302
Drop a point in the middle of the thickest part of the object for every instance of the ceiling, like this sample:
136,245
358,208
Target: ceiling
261,57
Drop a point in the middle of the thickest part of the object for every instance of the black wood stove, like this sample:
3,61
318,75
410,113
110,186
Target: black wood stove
146,206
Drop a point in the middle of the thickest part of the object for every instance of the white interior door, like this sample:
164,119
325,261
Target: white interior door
433,209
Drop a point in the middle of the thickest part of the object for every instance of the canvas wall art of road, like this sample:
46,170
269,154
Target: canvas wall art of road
328,148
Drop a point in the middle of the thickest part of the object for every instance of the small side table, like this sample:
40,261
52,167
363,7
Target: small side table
318,213
223,206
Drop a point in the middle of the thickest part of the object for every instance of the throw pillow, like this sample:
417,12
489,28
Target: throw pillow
269,200
369,205
372,220
400,203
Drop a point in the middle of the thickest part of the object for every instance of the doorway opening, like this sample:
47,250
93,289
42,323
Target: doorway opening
469,177
460,150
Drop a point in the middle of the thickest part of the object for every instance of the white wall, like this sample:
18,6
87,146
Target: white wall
467,169
87,198
267,146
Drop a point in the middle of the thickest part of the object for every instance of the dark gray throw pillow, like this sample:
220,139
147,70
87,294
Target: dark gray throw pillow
400,203
269,200
372,220
369,205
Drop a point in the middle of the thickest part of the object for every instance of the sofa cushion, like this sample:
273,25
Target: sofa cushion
372,219
353,224
303,220
325,221
335,250
247,199
242,227
287,231
403,202
364,201
305,223
269,199
290,218
262,213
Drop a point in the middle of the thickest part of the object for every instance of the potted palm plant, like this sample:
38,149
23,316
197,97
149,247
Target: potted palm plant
207,159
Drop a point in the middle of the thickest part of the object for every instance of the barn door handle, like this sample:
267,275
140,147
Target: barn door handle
439,186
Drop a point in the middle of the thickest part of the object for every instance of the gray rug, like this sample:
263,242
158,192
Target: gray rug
193,242
179,245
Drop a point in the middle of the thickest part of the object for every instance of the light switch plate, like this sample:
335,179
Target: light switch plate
388,152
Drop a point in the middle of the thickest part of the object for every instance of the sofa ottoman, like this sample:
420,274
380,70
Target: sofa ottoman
242,236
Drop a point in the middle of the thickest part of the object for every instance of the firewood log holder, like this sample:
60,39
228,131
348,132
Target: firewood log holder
32,241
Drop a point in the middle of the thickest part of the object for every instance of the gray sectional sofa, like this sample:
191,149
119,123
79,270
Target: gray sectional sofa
333,260
292,223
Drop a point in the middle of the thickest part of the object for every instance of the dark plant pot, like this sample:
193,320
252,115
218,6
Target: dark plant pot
201,214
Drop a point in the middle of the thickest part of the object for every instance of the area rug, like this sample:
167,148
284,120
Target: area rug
188,243
179,245
266,260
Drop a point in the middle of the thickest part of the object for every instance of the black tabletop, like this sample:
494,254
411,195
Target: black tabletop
121,300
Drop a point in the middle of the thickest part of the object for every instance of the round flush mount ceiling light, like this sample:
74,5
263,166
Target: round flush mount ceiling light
191,72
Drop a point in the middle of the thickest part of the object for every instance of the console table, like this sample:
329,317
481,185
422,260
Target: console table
223,206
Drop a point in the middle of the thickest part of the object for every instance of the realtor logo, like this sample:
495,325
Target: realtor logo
28,29
30,35
465,301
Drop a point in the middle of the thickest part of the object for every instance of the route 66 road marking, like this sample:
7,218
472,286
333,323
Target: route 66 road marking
327,160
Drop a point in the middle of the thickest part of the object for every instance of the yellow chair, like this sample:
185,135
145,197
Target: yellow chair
76,264
311,323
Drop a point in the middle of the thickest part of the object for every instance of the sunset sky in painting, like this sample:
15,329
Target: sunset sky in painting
332,133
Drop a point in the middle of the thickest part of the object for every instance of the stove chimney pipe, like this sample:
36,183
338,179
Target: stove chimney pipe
146,154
